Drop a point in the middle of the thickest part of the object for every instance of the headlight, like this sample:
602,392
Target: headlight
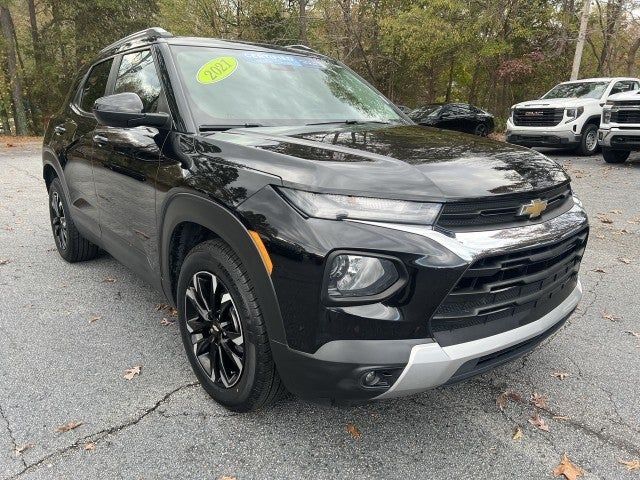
340,207
573,113
352,277
513,109
606,115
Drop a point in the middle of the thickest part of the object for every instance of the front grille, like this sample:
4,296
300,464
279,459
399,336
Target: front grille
537,117
501,292
625,116
471,215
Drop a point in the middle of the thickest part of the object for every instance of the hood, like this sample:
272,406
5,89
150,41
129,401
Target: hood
633,95
406,161
557,103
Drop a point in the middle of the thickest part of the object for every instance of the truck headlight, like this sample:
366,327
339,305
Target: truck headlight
342,207
352,277
573,113
606,115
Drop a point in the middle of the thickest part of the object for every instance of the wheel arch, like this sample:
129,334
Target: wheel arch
187,219
592,120
51,169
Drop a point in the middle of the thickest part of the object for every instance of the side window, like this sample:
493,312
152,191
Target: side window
620,87
95,85
137,74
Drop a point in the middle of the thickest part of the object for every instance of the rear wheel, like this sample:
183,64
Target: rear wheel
589,140
482,130
72,246
223,331
615,156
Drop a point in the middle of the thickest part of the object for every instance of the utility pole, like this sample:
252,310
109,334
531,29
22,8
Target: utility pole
582,36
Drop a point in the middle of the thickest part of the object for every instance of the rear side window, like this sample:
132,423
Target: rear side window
95,85
137,74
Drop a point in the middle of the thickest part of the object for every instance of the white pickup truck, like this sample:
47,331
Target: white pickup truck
567,116
619,132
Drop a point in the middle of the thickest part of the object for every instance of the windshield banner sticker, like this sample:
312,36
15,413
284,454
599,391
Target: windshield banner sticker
217,69
283,60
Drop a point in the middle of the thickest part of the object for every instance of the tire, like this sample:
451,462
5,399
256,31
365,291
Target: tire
212,274
589,140
482,130
615,156
71,245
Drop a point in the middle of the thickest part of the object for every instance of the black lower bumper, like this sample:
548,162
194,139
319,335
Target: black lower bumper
550,141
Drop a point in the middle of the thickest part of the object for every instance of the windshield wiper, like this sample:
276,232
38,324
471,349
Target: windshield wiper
223,127
349,122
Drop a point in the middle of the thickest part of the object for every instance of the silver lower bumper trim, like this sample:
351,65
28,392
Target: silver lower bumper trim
431,365
605,135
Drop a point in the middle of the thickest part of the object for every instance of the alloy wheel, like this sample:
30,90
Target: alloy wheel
59,221
214,326
591,142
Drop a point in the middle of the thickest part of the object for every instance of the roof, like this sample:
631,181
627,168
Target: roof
599,79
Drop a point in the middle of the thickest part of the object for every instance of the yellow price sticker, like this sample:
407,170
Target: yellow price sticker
217,69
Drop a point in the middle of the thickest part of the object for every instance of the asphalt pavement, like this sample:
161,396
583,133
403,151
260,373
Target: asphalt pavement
69,332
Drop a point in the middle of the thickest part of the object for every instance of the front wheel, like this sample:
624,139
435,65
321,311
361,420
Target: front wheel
589,140
223,331
615,156
482,130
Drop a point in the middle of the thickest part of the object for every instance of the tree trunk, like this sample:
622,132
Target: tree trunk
302,23
6,23
449,83
35,35
582,35
631,56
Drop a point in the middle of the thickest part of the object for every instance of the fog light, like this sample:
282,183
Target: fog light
371,379
360,276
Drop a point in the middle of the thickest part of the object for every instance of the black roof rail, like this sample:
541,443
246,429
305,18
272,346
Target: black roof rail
301,47
148,34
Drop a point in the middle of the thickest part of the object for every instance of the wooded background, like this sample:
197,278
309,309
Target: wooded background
492,53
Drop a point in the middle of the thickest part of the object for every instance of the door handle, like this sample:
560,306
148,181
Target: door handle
100,139
59,129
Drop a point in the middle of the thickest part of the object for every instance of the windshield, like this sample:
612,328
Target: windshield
225,86
578,90
426,111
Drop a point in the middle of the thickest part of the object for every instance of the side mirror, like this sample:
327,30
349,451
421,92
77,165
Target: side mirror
124,110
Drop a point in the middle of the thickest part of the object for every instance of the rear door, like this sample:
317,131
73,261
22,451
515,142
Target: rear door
126,163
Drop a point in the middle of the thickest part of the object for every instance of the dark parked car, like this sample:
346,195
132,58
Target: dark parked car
309,234
404,109
454,116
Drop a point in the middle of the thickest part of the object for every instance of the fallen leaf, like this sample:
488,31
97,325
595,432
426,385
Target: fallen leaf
599,270
610,316
633,334
21,448
560,417
504,397
568,469
624,260
538,422
561,375
167,308
631,464
605,219
129,373
89,446
68,426
227,477
95,318
354,431
4,261
166,322
616,212
538,400
517,433
108,280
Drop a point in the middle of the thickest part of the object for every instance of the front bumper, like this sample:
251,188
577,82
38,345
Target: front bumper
619,138
540,137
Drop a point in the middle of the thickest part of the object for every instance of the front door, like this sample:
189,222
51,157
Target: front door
125,164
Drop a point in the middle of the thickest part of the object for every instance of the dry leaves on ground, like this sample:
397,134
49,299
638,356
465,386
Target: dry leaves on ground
166,322
503,399
108,280
626,261
538,422
616,212
22,448
226,477
538,400
599,270
610,316
68,427
568,469
517,433
4,261
129,373
561,375
631,464
353,431
95,318
633,334
163,307
604,219
89,446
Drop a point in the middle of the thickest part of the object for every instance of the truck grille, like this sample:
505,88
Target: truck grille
505,291
625,116
459,216
537,117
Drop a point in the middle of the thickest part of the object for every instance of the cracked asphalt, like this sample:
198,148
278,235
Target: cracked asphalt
57,366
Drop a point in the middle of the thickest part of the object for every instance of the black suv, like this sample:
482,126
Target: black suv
308,232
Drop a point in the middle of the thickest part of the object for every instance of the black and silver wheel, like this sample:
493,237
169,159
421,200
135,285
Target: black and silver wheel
482,130
615,156
223,331
71,245
589,140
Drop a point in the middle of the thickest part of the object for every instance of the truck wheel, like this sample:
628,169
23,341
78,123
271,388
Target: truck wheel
223,331
615,156
589,140
72,246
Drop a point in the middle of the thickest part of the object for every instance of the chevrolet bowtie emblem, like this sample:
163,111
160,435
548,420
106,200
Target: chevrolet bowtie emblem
533,209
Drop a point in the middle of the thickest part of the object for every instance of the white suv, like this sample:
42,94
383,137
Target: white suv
619,132
567,116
